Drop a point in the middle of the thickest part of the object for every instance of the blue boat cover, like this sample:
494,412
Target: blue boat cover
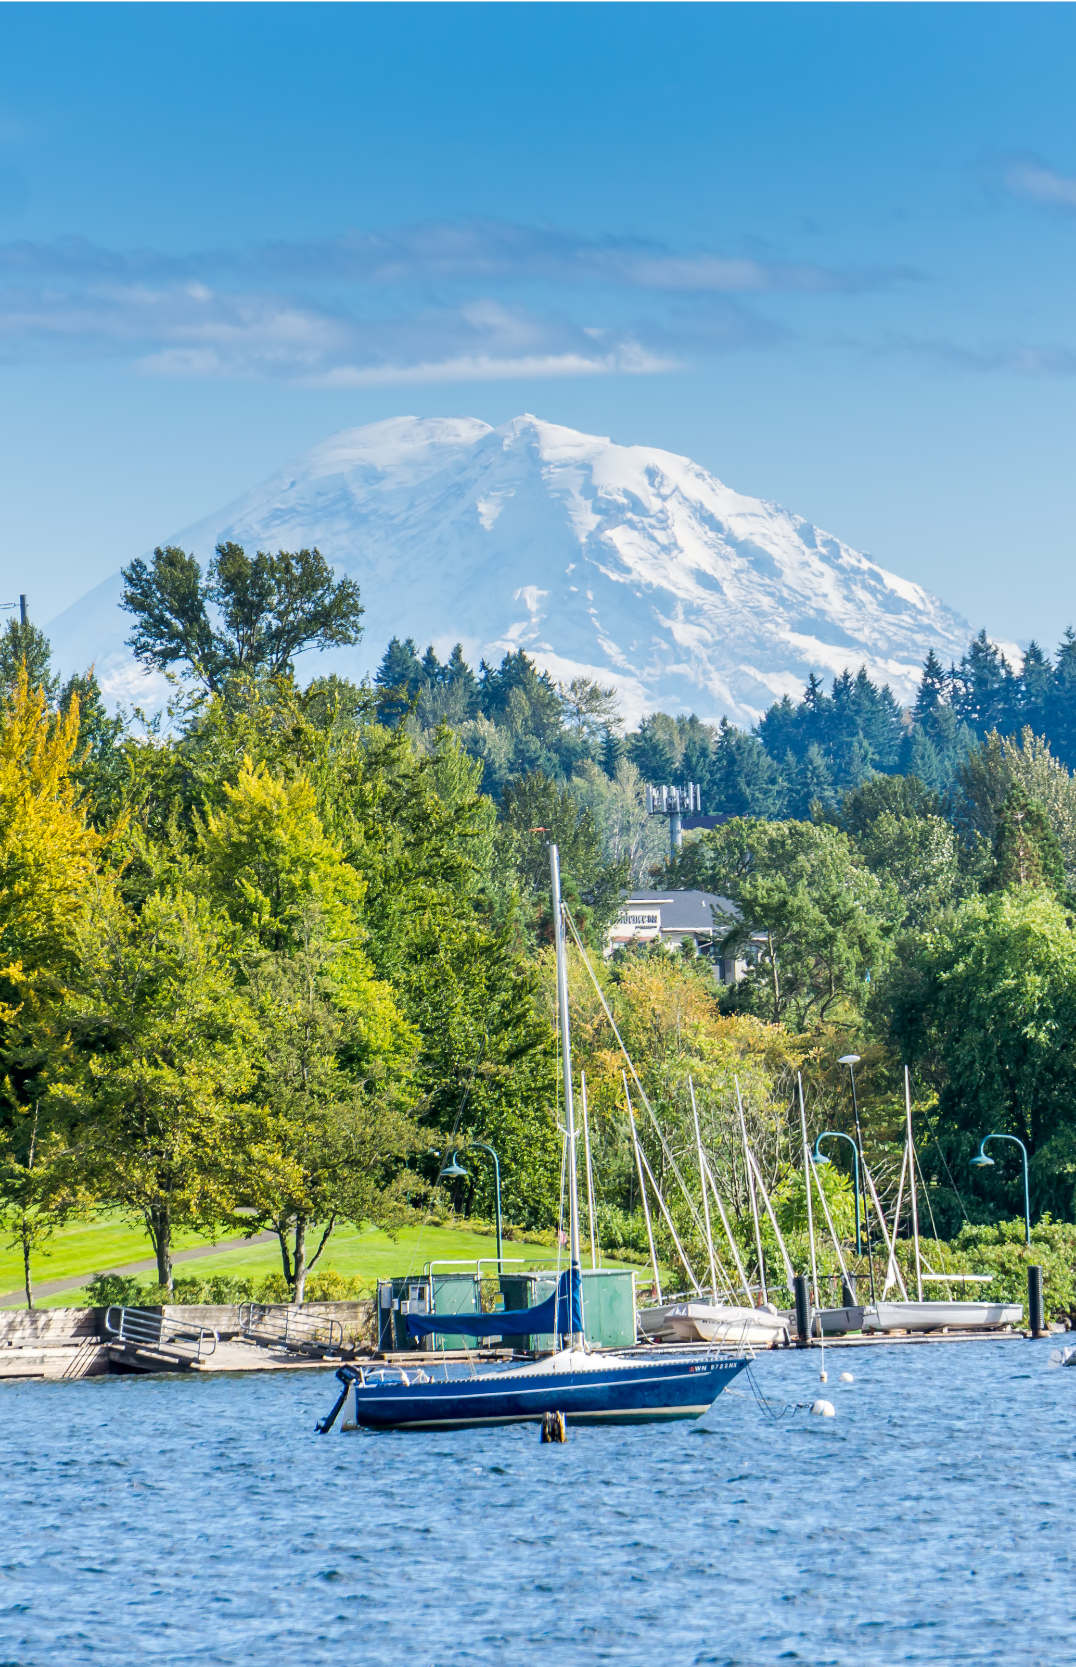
552,1315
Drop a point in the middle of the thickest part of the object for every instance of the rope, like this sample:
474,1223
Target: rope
767,1408
948,1171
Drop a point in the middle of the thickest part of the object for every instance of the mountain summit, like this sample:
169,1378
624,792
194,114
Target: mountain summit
622,563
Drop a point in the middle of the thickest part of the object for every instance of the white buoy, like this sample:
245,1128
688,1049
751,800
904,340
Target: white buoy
823,1377
823,1409
846,1377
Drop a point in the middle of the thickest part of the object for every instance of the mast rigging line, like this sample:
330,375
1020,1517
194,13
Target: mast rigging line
668,1219
666,1148
740,1269
642,1190
829,1219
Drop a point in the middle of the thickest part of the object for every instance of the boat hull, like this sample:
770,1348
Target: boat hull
936,1316
694,1322
655,1323
829,1322
614,1392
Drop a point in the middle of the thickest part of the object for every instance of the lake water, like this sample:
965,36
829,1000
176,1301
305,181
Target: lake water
191,1520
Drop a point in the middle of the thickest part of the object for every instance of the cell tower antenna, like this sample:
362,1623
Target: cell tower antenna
674,802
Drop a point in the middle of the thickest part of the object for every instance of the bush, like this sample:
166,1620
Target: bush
106,1290
117,1290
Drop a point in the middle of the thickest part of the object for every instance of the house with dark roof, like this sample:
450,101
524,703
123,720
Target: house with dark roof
668,917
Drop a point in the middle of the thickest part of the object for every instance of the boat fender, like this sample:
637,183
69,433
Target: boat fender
553,1427
846,1377
823,1409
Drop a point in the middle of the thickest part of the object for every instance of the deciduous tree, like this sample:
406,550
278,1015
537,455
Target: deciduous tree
247,615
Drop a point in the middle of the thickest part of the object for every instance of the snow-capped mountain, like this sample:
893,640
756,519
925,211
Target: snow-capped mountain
622,563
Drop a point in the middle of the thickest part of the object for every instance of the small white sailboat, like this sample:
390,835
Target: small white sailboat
711,1316
718,1322
942,1316
938,1314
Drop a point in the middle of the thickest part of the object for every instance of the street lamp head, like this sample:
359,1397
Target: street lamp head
820,1159
453,1171
982,1162
848,1059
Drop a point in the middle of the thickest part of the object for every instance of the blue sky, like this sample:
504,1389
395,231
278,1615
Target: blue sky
825,250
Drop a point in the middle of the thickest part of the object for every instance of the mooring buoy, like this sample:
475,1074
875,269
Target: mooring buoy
823,1409
846,1377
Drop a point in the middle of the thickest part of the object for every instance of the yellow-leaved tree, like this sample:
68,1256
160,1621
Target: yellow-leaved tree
330,1126
49,855
48,851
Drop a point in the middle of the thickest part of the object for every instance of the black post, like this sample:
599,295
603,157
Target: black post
803,1310
22,612
1035,1311
848,1292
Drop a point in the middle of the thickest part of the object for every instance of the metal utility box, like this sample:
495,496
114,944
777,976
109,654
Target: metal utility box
608,1305
452,1293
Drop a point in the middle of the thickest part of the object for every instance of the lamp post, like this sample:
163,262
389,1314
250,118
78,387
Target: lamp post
453,1171
820,1158
852,1060
983,1162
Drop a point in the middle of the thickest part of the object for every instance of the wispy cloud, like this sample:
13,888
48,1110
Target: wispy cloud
467,300
453,252
1033,359
1036,183
195,331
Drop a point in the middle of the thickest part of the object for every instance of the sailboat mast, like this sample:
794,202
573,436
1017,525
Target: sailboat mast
705,1200
915,1207
807,1190
569,1106
751,1193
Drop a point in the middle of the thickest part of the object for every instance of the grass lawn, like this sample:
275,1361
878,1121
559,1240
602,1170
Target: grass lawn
366,1252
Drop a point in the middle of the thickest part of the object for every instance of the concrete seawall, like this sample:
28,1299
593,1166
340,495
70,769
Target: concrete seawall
74,1342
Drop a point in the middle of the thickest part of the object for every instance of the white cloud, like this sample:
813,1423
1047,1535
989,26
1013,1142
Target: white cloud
1039,184
434,302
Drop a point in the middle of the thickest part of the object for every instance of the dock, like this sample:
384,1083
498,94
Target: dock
71,1343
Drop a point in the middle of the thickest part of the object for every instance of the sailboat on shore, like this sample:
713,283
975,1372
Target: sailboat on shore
584,1386
945,1314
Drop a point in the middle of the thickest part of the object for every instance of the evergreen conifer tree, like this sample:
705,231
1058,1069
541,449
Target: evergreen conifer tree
744,780
935,688
778,730
461,679
1036,683
398,678
614,748
920,758
1026,851
27,643
1061,710
985,690
811,783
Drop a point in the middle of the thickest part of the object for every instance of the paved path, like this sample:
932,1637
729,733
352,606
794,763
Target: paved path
53,1287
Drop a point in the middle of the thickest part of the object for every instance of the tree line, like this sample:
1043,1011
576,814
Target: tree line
262,960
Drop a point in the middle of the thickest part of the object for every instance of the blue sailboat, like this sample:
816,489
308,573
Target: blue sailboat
584,1387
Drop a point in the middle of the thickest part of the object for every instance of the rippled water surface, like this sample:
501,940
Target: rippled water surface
193,1520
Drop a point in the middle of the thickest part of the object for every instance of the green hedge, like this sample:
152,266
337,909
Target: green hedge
125,1291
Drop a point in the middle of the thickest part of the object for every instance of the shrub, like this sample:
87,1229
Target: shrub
106,1290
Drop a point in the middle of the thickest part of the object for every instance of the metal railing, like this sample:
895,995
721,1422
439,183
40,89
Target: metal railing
290,1327
143,1328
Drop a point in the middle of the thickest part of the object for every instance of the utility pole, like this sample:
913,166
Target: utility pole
24,619
674,802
